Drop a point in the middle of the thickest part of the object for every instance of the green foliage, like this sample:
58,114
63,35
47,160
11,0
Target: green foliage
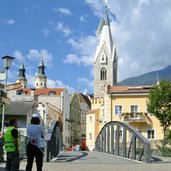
165,151
159,104
0,109
168,134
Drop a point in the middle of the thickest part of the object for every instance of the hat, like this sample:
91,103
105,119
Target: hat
36,115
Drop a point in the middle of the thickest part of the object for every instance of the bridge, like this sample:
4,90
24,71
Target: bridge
96,161
113,151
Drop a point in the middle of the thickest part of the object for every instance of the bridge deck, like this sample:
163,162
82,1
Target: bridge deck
96,161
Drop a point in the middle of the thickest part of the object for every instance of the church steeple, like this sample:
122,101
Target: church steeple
106,58
21,76
41,79
106,19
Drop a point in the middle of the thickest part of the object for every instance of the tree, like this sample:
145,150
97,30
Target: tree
159,104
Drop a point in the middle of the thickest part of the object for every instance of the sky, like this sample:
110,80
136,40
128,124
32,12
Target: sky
63,33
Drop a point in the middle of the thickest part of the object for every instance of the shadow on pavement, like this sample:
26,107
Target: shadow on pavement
3,169
71,157
78,157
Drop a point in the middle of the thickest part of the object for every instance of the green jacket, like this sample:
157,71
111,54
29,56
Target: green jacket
9,140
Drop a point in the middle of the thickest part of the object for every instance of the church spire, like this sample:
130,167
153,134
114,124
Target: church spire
41,79
105,33
106,19
21,76
41,68
106,58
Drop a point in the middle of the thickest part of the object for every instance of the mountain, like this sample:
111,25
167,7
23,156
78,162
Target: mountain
148,78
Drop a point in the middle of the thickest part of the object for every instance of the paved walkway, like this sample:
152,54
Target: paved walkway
95,161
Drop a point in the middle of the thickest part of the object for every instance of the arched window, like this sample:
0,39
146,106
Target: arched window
103,74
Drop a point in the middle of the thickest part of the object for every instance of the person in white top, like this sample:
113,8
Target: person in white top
34,149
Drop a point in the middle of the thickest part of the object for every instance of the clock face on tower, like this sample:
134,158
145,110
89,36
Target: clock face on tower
101,87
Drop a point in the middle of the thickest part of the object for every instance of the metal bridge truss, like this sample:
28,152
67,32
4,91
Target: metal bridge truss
121,139
54,141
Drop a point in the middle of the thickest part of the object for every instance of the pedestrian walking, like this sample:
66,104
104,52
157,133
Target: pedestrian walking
11,139
35,143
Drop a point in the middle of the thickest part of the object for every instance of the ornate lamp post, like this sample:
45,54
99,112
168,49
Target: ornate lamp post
7,64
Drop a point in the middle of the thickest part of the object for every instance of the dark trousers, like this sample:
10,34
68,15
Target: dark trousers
13,161
34,152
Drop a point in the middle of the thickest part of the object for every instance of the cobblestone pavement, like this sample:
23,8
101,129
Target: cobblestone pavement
95,161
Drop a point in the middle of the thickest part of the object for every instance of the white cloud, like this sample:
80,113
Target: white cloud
7,21
18,55
97,6
141,33
64,11
33,54
86,83
30,80
59,84
60,27
51,83
82,18
71,59
45,32
85,48
43,53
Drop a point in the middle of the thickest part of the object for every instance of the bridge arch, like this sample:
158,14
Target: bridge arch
54,141
119,138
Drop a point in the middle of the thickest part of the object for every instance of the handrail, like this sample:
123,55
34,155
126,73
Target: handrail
136,148
53,140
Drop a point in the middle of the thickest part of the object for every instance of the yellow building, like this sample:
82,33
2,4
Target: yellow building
92,128
126,104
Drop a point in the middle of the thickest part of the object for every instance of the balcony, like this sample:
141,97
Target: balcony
134,117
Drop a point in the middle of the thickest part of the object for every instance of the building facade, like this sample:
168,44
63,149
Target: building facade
79,105
52,103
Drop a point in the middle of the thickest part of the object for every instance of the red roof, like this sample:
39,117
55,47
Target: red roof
48,91
129,89
26,90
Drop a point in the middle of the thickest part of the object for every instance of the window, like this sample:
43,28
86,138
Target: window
150,134
90,118
90,136
20,92
51,93
118,109
103,74
82,121
134,108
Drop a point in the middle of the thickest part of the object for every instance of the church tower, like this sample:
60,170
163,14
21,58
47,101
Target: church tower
41,79
21,76
106,58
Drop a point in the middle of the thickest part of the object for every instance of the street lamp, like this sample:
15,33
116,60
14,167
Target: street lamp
7,64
